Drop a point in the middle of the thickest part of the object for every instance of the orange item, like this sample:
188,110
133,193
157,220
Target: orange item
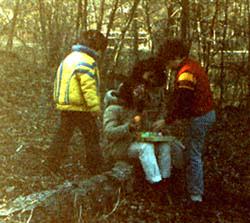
137,118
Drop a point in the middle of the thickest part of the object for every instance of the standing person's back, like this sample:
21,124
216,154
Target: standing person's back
75,85
202,98
76,94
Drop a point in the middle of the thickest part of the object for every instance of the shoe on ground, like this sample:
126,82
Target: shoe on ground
195,206
196,198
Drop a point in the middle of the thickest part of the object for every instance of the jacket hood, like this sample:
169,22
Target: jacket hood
111,98
85,49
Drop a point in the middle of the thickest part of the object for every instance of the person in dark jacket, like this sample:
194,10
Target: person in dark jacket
192,100
77,97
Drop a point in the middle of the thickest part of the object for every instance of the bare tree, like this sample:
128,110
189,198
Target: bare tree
103,69
211,35
112,17
135,39
222,51
79,16
42,17
248,11
148,22
13,25
101,15
185,20
85,15
119,46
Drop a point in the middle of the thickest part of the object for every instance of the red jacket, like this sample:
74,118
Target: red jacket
192,95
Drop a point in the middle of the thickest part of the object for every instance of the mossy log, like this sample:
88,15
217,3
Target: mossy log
73,202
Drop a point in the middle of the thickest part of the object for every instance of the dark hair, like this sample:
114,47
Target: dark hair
150,64
125,92
133,96
93,39
173,48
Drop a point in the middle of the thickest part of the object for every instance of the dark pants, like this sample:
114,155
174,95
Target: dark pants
70,120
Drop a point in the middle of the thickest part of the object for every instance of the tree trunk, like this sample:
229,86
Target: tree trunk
85,16
79,17
101,14
104,66
248,94
42,17
211,35
54,36
148,23
13,25
119,46
75,201
170,21
112,17
135,41
185,20
222,70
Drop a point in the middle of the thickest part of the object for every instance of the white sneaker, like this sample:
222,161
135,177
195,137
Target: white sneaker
196,198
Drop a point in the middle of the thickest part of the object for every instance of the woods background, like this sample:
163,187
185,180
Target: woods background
39,33
35,35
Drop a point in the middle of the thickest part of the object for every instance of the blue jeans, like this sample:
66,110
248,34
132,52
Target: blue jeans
195,140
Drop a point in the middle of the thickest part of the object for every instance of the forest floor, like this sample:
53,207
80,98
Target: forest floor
27,125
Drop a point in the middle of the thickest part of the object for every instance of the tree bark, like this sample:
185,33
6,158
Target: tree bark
185,20
148,23
211,35
223,46
42,17
112,17
79,17
101,14
85,15
104,68
13,25
248,65
135,41
119,46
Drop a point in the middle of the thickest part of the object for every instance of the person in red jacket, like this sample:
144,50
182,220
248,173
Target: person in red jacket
191,100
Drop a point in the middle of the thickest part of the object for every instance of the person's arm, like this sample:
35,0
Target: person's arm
88,80
112,128
182,100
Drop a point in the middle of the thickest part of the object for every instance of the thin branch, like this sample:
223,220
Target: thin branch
112,17
119,46
100,21
211,33
116,205
30,217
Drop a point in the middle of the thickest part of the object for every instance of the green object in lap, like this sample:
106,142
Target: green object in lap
155,137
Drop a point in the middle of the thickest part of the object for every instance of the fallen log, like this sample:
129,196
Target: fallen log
79,201
73,201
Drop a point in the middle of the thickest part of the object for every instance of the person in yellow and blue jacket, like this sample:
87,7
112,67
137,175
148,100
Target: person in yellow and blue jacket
76,95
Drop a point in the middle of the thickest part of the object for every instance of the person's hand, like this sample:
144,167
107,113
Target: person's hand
158,125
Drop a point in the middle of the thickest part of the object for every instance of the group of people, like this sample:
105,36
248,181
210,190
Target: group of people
138,104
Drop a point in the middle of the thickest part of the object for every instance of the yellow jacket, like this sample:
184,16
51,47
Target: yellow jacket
76,86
